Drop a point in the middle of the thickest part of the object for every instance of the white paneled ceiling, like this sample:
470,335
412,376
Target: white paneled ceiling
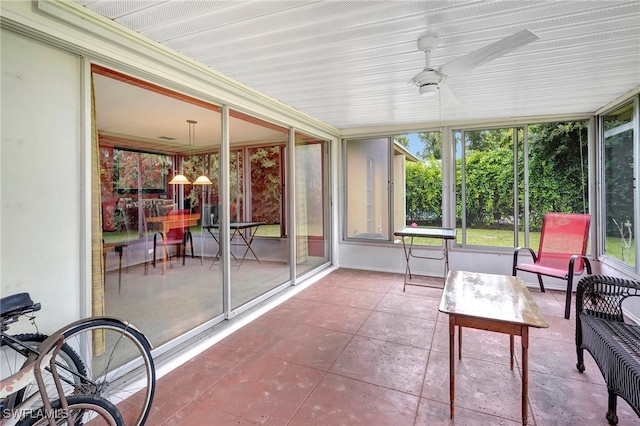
348,63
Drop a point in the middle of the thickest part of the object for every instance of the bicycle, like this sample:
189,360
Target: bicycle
101,356
75,410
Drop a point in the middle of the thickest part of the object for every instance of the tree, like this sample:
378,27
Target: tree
424,191
402,140
558,164
489,177
432,145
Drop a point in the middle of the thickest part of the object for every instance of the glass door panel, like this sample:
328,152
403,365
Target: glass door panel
259,253
311,189
138,158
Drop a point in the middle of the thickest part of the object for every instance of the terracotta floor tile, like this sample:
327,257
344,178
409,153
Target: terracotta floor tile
560,330
435,413
342,296
203,371
560,401
339,400
263,390
410,306
476,344
204,414
480,386
362,280
561,296
293,310
354,349
400,329
310,346
253,336
431,287
382,363
559,359
166,403
361,274
338,318
548,302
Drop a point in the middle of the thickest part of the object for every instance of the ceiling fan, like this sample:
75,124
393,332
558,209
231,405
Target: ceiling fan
431,79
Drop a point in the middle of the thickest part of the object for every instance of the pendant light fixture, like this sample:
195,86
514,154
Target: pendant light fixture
202,179
180,179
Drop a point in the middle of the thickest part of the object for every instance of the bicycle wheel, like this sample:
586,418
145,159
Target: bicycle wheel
71,368
119,365
86,410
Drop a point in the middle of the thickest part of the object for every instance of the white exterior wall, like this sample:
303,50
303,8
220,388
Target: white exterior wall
40,178
387,258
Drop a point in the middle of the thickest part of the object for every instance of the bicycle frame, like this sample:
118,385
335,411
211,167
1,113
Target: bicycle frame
33,372
83,372
28,351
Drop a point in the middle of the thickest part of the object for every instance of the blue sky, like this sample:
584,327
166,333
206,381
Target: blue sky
415,146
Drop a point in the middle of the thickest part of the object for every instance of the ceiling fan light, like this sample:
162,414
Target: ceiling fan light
428,89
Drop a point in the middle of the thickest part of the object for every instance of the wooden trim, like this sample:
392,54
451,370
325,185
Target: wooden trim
106,72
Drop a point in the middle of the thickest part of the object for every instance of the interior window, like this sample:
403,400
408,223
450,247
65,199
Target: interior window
131,180
267,188
367,180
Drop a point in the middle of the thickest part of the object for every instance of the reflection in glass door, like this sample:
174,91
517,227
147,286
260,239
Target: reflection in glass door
258,251
311,189
140,207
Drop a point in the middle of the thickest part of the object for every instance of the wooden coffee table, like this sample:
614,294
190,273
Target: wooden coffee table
499,303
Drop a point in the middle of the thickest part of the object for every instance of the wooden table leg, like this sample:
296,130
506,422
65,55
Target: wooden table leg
511,348
452,379
525,368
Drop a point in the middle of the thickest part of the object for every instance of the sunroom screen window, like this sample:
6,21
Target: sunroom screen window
618,182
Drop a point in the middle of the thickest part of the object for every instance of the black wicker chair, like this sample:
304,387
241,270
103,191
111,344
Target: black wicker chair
614,344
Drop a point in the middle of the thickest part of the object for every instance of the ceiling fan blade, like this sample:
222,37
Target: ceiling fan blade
446,95
488,53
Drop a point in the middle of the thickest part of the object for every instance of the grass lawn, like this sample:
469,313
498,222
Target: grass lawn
504,238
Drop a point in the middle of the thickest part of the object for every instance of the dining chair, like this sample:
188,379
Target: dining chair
175,237
561,253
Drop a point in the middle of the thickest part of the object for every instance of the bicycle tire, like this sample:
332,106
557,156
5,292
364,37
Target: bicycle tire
82,408
124,373
71,368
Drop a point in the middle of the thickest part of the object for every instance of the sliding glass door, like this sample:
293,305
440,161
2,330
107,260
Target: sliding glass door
311,195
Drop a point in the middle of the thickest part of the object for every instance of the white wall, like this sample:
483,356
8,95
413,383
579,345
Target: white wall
40,178
390,258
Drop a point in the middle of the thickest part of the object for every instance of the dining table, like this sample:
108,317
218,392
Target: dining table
170,222
238,238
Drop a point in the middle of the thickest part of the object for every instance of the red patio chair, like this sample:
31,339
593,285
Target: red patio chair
563,245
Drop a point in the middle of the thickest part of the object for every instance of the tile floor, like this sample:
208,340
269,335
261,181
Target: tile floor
354,349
